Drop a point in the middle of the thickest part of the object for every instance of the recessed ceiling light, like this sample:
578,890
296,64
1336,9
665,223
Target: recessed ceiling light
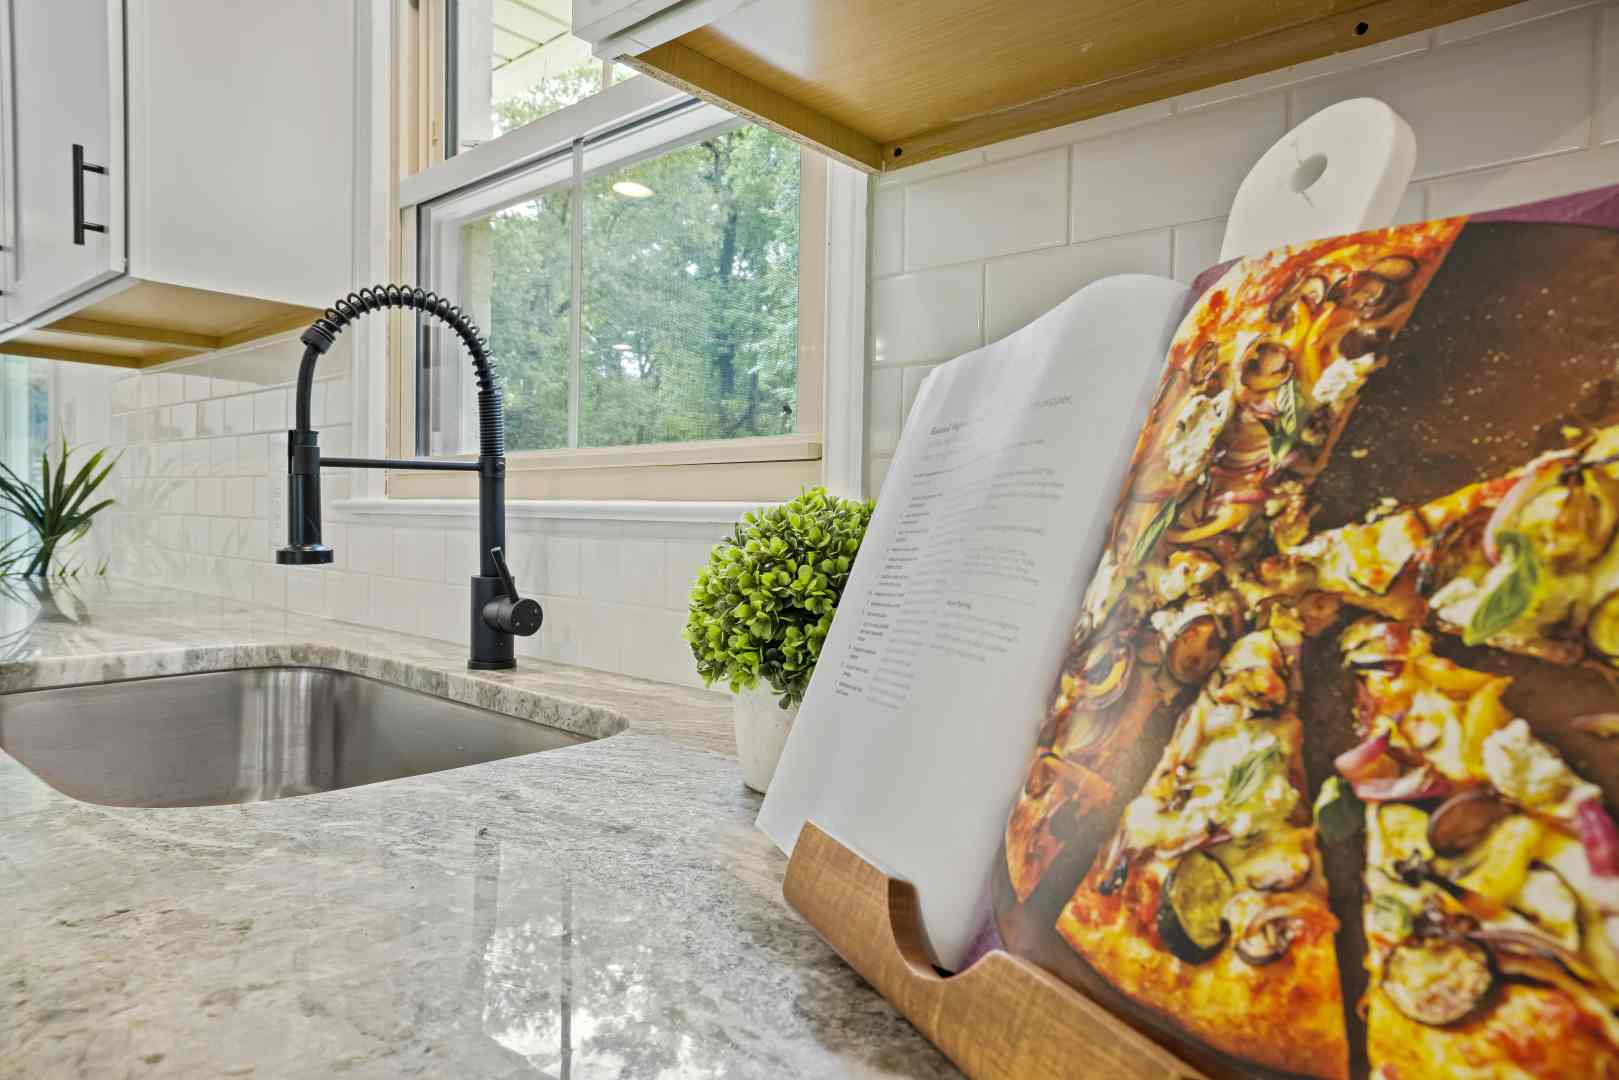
632,190
621,347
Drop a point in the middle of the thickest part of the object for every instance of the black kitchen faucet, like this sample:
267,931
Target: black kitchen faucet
498,613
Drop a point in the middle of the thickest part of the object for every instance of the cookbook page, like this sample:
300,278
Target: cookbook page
930,688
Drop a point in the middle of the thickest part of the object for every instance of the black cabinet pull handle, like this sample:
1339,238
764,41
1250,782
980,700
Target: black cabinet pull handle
80,167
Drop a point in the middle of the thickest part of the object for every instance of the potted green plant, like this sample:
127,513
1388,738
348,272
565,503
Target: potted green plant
761,608
58,513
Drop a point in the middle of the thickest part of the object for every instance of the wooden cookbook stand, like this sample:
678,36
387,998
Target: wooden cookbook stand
1001,1019
1342,170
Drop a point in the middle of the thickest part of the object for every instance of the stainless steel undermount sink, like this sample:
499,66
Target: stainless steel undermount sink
250,735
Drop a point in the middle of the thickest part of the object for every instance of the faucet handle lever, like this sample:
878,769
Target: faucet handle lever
511,613
506,580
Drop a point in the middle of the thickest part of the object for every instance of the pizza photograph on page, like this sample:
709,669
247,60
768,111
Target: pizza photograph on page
1324,787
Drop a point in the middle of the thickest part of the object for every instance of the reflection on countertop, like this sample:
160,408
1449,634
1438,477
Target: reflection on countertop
600,910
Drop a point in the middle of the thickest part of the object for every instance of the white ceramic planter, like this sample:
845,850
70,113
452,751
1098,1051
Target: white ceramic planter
761,732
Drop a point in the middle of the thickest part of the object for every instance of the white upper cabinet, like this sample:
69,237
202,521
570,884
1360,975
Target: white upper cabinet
179,175
241,119
65,158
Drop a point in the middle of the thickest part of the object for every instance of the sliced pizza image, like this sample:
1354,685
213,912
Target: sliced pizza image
1525,562
1491,879
1209,906
1261,377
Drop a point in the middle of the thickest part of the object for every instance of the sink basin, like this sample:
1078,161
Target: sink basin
246,736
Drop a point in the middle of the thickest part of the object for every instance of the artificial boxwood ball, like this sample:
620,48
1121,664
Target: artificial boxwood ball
763,605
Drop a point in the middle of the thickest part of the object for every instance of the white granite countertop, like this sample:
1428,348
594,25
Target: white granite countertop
604,910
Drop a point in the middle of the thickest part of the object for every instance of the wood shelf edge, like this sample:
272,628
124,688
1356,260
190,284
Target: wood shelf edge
1002,1018
858,136
1384,20
687,69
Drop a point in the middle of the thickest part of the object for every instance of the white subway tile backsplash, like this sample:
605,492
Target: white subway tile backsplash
935,315
1527,182
269,584
196,458
170,388
306,590
1310,69
210,495
1080,130
642,572
222,538
559,638
653,648
222,454
877,468
601,569
442,611
883,422
197,387
270,410
126,394
945,219
211,418
1197,247
252,455
394,605
371,549
347,596
256,540
603,632
182,421
338,409
239,415
1185,169
684,560
888,232
462,557
1501,19
914,377
419,554
1414,206
1019,289
165,459
1485,101
1605,121
239,499
334,441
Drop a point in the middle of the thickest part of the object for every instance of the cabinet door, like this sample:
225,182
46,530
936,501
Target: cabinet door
67,81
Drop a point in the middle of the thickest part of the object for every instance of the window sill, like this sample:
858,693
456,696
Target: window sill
721,471
441,512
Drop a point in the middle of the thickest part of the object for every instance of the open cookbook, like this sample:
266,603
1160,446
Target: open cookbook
1248,660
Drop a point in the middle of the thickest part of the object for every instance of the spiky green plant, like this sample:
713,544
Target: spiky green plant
59,511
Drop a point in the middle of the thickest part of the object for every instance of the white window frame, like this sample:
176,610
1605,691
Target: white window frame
829,446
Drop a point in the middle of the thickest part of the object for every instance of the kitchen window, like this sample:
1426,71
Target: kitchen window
649,271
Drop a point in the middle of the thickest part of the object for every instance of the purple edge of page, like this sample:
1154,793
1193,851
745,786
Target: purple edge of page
1598,207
